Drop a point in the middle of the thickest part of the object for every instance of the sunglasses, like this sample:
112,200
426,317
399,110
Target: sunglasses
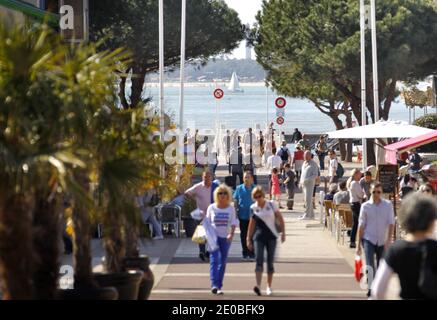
376,192
222,194
258,196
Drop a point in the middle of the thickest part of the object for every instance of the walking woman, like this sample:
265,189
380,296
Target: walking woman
276,187
413,259
322,151
356,198
263,234
222,218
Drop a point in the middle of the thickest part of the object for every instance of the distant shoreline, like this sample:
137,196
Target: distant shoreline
205,84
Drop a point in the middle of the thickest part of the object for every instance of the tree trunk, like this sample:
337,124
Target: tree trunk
132,250
371,158
122,93
138,78
46,238
82,259
16,254
114,243
342,146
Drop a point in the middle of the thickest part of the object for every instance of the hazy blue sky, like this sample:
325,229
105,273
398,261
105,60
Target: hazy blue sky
247,9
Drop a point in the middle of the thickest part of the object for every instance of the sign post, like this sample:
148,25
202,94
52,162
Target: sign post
388,177
218,95
280,110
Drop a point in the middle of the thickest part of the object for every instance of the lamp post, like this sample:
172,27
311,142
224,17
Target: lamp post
161,76
182,81
374,60
363,76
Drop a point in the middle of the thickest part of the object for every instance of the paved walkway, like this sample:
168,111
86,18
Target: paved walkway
309,265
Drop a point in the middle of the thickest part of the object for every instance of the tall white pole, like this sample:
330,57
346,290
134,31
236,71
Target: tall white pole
363,76
161,73
267,106
183,39
375,60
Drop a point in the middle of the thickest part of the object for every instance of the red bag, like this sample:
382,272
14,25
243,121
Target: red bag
358,268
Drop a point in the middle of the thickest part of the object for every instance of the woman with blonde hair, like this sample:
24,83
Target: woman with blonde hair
356,196
222,218
262,235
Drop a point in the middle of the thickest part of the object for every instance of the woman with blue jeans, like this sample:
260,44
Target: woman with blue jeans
262,235
222,218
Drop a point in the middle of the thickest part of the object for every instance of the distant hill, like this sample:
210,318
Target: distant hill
219,69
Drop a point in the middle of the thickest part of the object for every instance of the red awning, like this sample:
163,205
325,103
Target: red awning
406,145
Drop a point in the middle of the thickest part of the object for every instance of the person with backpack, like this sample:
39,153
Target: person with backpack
413,259
285,154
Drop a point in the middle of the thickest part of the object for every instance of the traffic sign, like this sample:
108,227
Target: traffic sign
280,121
280,103
280,113
218,94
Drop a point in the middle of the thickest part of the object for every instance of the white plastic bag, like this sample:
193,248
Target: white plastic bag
197,215
211,236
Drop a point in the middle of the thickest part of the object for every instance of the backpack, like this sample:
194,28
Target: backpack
283,153
340,171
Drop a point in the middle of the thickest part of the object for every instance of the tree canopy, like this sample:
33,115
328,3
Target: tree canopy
212,28
311,49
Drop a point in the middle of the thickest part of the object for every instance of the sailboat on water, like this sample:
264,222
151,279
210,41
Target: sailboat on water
234,85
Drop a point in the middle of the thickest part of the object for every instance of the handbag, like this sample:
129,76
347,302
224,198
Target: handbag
427,277
358,268
199,235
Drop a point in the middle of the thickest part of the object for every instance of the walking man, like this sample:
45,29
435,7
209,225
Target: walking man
375,230
297,136
203,193
243,201
289,182
333,166
310,172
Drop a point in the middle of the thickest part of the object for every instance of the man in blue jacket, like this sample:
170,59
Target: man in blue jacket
243,201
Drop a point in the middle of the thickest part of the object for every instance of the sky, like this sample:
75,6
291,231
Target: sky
247,10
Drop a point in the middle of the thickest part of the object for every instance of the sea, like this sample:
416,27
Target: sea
254,107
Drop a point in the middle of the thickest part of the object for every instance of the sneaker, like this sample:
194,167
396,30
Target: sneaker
158,238
214,290
251,259
269,291
220,293
202,256
257,291
245,258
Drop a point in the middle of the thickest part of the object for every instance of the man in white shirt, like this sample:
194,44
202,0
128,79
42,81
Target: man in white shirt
356,198
333,165
310,171
376,229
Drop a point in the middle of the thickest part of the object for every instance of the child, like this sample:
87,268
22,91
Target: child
276,189
289,181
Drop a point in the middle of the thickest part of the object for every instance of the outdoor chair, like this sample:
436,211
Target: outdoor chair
170,215
329,210
345,220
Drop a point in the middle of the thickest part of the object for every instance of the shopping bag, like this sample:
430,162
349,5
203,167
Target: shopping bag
358,268
197,215
199,235
211,236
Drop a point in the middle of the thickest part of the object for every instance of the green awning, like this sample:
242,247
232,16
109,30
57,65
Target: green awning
31,11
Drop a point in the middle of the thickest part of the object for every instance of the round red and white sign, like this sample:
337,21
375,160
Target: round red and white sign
280,121
280,103
218,94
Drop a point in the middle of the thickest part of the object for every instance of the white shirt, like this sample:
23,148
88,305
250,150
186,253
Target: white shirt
221,219
375,219
267,214
310,172
274,161
356,192
333,165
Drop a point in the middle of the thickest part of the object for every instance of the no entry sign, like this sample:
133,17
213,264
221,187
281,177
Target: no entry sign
218,94
280,121
280,103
